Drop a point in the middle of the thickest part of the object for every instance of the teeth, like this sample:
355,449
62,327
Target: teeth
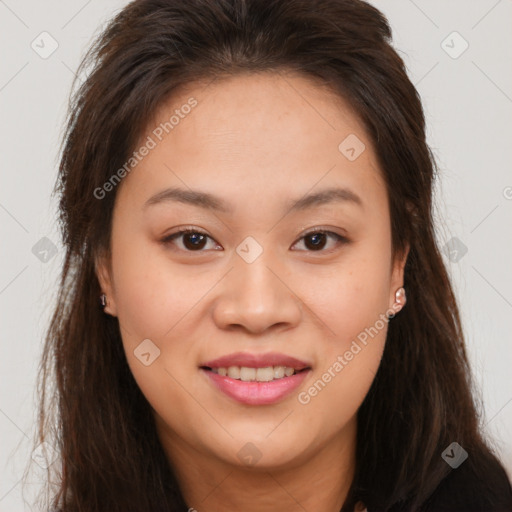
234,372
278,372
265,374
247,374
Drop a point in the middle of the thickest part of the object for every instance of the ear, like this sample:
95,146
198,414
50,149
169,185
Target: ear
397,273
103,269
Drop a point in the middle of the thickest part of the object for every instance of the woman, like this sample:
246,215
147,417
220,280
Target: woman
246,187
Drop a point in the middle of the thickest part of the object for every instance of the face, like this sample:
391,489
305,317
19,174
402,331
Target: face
285,276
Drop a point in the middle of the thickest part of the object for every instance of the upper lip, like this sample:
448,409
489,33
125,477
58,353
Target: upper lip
256,361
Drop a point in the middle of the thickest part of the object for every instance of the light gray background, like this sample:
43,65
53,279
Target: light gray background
468,103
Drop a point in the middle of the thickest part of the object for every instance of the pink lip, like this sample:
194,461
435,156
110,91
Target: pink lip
256,393
256,361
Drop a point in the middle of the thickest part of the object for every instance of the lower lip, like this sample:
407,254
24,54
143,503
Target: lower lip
257,393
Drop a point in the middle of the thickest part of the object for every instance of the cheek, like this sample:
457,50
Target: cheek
352,305
350,358
157,300
154,301
152,294
351,297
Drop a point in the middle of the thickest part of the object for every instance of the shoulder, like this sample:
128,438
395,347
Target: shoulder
473,488
480,484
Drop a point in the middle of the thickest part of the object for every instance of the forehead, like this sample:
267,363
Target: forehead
267,133
255,111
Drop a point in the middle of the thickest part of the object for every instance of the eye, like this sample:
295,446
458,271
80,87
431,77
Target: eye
195,240
191,240
318,240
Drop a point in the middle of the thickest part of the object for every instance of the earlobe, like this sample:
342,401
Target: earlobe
398,297
103,274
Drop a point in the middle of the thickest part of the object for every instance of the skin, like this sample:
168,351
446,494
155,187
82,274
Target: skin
257,141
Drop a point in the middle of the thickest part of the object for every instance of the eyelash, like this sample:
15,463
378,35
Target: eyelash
340,239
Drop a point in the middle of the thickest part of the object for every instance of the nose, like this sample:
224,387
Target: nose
256,297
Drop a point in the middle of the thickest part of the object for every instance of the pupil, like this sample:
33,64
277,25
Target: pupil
194,240
318,240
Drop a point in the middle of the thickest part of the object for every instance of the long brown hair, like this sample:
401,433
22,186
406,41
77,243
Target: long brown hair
92,411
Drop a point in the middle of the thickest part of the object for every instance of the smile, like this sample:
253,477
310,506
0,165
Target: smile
256,379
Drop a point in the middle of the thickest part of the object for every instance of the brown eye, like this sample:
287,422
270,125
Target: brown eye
318,240
190,240
193,241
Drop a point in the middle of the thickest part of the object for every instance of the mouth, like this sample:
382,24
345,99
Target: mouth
256,379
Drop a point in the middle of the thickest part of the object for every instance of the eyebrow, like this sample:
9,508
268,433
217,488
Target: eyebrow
211,202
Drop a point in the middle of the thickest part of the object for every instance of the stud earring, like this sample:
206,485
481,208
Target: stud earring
400,297
400,301
103,300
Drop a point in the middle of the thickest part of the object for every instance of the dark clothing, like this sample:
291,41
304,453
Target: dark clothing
466,489
463,490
